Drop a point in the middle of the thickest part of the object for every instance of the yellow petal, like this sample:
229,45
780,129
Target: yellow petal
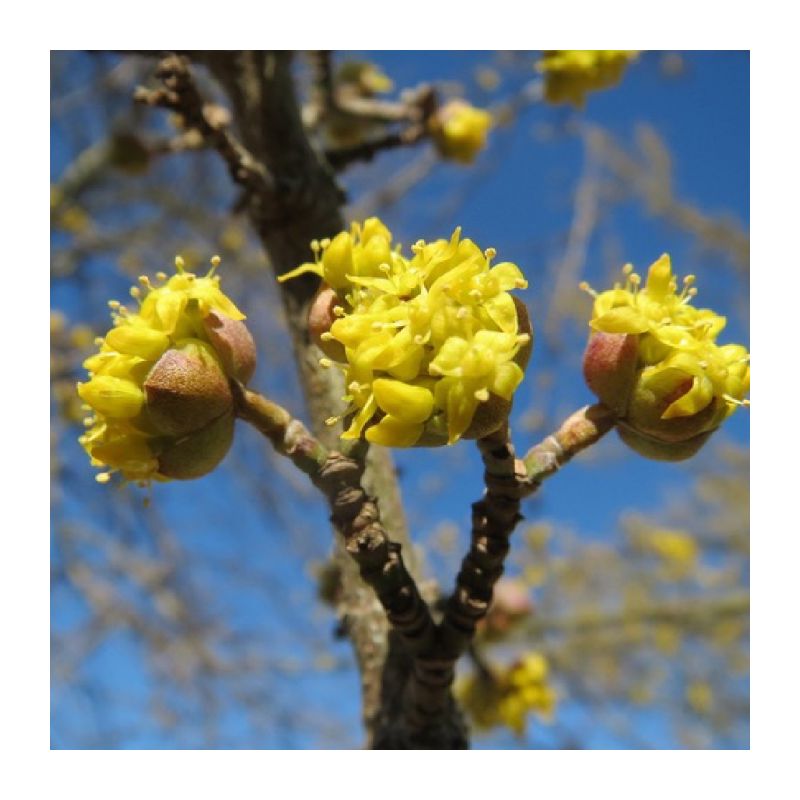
337,260
506,379
694,401
621,320
407,403
461,405
114,397
659,277
393,432
137,341
503,312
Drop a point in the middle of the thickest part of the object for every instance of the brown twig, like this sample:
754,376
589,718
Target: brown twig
366,151
353,512
180,94
494,517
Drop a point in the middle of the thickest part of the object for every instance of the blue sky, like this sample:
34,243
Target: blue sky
521,206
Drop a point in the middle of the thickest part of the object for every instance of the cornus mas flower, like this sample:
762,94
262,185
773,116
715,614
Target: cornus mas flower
459,130
570,74
506,696
432,347
654,360
158,389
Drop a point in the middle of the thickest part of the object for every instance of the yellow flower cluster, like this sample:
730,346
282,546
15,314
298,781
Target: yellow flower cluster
460,130
424,342
507,696
676,343
158,387
570,74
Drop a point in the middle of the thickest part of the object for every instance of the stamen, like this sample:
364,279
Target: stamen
103,477
743,403
215,262
315,245
584,287
145,281
162,276
338,311
113,304
482,395
462,312
325,243
179,263
326,363
331,421
326,336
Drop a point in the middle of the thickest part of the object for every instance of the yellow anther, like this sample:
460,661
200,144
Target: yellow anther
326,336
179,263
326,363
103,477
482,395
325,243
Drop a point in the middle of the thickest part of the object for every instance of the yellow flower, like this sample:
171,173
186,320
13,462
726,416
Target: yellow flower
459,130
507,695
433,347
570,74
653,358
158,387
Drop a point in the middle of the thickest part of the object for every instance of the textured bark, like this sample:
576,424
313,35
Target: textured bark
306,205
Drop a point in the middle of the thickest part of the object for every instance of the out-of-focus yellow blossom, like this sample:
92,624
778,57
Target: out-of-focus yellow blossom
653,358
158,392
434,345
570,74
506,696
460,130
677,548
700,697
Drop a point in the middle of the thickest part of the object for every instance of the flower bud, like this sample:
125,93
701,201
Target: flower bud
459,130
609,368
197,454
653,359
186,389
233,344
159,386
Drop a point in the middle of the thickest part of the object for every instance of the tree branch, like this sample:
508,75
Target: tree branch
353,512
494,517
